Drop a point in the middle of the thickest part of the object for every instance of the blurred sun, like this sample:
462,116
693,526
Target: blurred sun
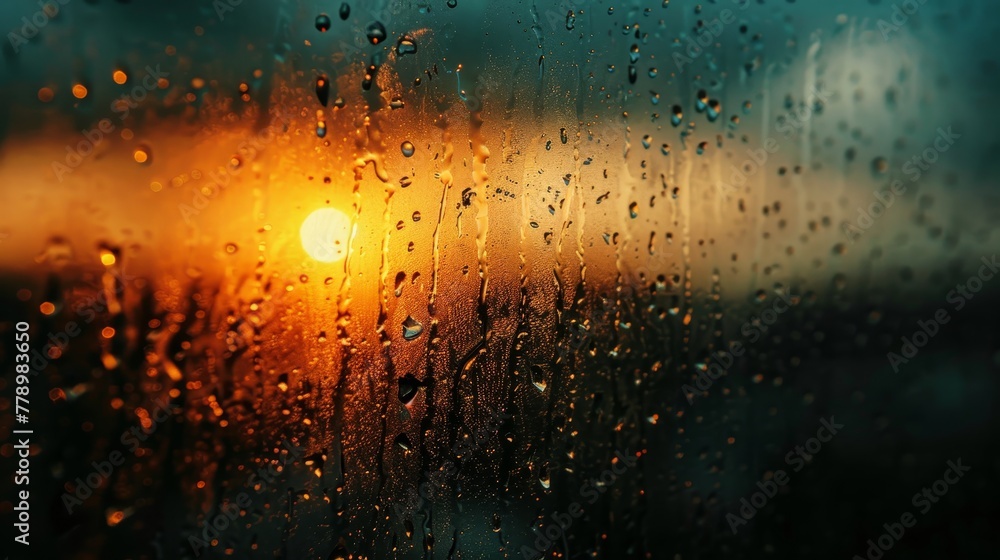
325,233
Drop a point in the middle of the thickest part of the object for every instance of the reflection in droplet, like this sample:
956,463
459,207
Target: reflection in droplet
323,89
411,328
407,148
375,32
323,22
406,45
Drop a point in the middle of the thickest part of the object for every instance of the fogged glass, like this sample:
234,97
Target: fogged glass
470,279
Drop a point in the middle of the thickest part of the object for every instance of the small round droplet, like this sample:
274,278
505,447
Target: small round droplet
880,165
407,148
452,3
375,32
323,22
142,154
345,11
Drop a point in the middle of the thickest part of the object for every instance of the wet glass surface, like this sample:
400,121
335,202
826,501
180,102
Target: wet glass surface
466,279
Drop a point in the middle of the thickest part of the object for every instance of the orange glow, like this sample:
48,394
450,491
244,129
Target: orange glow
45,94
47,308
79,91
325,234
119,77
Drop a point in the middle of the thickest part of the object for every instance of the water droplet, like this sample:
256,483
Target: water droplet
407,388
339,553
538,378
406,45
345,11
677,116
375,32
880,165
407,148
323,22
323,89
452,3
403,442
411,328
633,210
714,110
142,154
400,278
570,20
701,101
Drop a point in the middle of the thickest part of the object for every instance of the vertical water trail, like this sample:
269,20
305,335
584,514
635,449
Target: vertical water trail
761,198
446,182
481,179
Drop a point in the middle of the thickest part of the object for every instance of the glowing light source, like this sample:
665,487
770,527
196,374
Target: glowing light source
325,233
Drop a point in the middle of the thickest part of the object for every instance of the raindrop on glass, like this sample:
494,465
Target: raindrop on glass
323,22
